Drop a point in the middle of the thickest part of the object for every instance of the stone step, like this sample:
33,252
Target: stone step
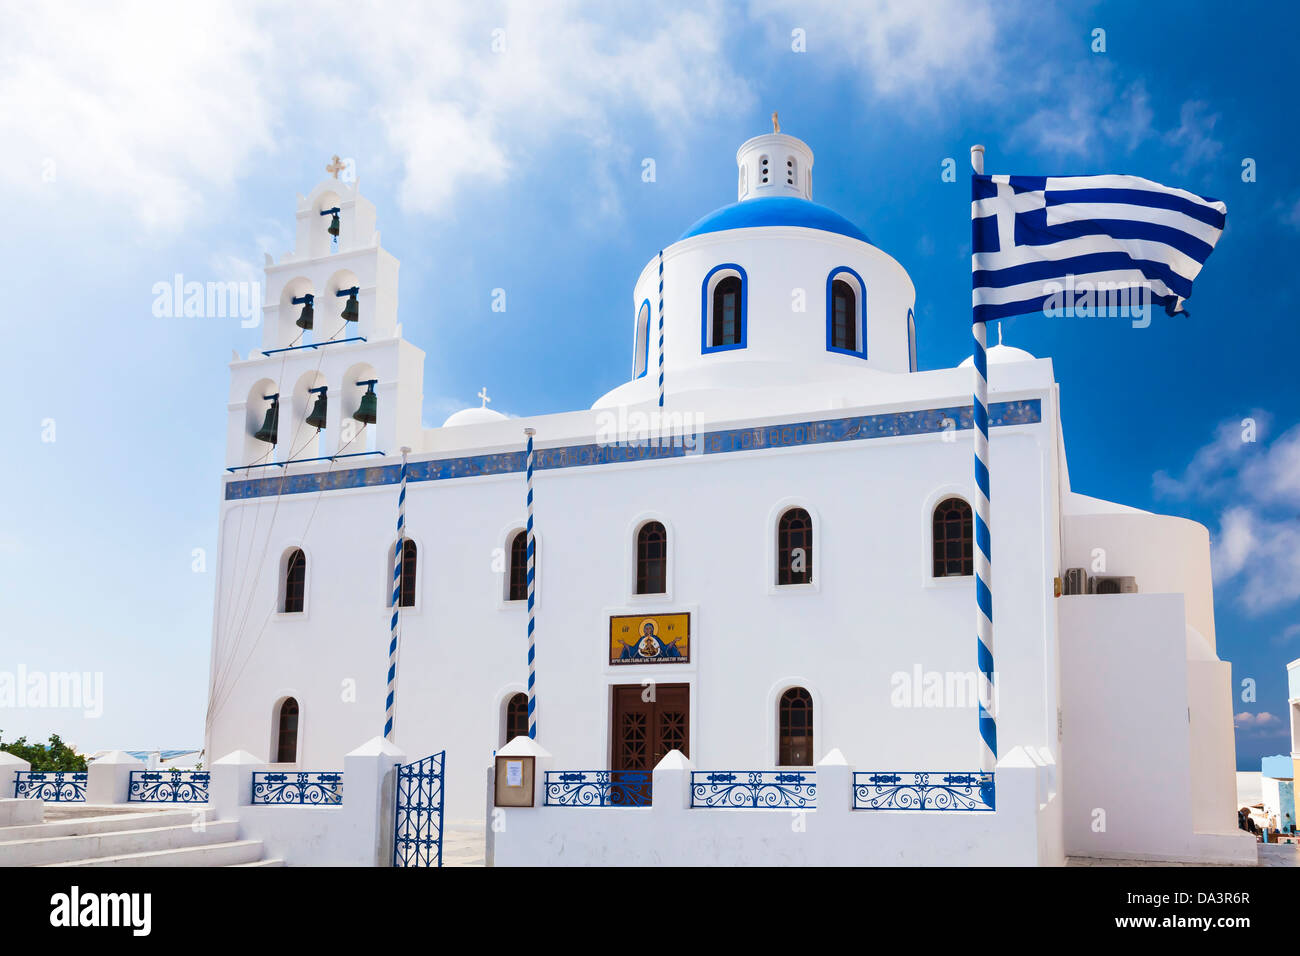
212,854
273,861
97,824
114,843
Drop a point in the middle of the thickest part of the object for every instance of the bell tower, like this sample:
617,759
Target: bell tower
774,164
333,375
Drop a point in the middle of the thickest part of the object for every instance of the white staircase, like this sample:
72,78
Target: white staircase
113,836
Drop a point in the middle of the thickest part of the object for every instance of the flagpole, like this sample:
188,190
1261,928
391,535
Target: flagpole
661,328
532,580
983,553
397,599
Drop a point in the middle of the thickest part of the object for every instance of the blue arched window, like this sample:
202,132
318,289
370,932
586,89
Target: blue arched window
724,299
641,349
846,312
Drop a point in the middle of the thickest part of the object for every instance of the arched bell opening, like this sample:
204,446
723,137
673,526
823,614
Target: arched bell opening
296,320
326,223
360,410
262,425
340,307
305,430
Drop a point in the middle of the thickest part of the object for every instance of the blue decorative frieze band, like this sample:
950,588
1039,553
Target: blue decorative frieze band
928,790
756,789
925,421
168,786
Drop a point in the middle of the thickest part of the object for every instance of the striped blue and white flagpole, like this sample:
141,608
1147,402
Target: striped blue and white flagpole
397,599
532,584
983,544
661,328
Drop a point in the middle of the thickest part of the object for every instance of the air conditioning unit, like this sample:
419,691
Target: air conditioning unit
1114,585
1076,581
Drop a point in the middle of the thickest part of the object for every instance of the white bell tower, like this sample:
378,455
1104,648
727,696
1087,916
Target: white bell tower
329,321
774,164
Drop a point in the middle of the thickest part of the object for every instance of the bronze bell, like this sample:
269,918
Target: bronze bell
306,316
267,432
317,417
334,225
368,412
350,313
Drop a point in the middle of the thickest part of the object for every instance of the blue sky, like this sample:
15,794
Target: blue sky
141,145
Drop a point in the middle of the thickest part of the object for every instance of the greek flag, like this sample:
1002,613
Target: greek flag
1039,242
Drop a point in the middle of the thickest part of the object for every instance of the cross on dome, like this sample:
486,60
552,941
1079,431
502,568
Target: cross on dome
482,393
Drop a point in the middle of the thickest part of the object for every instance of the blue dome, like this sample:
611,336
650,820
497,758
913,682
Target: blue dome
775,211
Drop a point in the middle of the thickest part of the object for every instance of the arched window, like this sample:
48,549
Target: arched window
641,348
726,312
518,588
795,729
408,573
651,559
846,312
295,581
516,718
794,547
953,539
844,316
723,303
286,732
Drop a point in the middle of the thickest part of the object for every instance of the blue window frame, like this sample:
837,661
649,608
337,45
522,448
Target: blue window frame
845,333
641,347
724,304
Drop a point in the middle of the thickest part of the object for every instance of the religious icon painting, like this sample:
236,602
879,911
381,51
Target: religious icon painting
650,638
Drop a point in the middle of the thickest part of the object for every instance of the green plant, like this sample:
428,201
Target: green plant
56,755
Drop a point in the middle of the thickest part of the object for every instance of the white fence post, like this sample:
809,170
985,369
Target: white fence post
230,784
670,793
369,792
834,789
108,779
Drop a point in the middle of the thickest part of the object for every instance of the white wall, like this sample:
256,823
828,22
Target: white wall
874,612
1126,744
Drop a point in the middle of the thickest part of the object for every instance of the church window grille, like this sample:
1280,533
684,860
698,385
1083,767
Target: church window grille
286,740
295,582
795,729
953,538
652,559
516,718
794,547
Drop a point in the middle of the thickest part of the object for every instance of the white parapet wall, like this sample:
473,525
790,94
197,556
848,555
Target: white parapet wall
672,833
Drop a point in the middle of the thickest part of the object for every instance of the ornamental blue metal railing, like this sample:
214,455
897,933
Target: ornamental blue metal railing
598,788
923,790
755,789
168,786
309,787
52,786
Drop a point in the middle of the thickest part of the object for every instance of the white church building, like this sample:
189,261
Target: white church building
780,590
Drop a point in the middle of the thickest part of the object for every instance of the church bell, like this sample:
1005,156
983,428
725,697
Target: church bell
334,225
267,432
350,313
317,417
306,316
369,410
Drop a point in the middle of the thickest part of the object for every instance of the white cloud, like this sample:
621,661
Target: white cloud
1194,136
163,108
1263,724
1257,486
900,47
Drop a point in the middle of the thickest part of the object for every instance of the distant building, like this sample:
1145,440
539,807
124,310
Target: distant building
1278,773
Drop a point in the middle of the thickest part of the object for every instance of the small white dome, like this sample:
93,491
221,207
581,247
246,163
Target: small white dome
1001,355
473,416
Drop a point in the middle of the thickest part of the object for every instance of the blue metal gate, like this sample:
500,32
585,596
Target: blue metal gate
417,822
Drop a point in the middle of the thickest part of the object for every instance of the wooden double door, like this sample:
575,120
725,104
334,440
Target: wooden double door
644,730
